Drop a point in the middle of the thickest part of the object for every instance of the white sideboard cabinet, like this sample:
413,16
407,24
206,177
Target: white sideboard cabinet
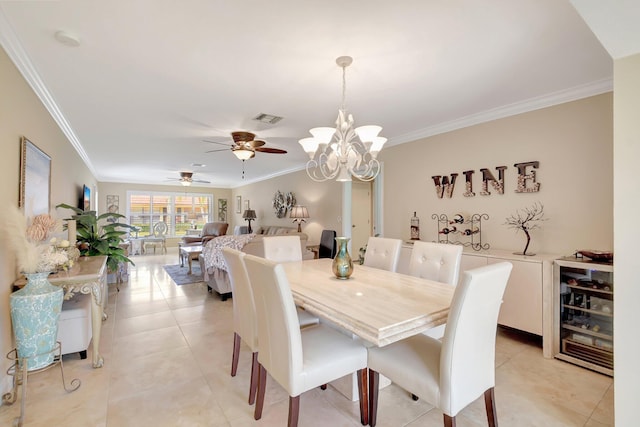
528,299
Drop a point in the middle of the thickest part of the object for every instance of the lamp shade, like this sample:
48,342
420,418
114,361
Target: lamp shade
299,212
249,214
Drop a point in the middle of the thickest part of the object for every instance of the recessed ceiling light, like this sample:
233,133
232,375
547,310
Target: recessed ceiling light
267,118
197,165
67,39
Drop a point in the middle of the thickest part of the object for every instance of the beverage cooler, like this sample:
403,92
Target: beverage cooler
583,305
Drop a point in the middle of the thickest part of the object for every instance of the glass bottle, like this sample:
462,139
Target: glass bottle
415,227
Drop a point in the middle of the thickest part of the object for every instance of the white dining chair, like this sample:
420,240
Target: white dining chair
298,359
383,253
282,248
287,249
439,262
452,373
245,327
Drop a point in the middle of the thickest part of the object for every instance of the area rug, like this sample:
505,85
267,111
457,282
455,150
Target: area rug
181,275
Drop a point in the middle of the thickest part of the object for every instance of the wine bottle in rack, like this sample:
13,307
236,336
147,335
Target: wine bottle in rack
448,230
457,219
469,231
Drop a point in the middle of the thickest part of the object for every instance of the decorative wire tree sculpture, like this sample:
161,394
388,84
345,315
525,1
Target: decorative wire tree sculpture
526,220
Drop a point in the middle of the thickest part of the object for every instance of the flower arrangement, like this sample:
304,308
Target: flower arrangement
36,251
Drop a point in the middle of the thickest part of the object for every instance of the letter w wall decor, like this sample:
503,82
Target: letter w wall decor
443,185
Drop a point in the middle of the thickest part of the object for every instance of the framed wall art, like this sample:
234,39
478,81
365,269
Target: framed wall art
239,204
34,195
113,206
222,210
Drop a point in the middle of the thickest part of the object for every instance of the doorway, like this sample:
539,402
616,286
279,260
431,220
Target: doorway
361,215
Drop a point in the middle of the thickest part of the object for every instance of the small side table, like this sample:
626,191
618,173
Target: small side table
135,246
190,254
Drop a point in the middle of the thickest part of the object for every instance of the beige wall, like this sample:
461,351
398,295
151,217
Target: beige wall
120,190
573,143
323,200
626,208
22,114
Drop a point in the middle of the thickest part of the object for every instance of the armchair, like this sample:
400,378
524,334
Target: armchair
209,231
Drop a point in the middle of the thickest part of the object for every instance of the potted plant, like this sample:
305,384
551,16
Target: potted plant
95,239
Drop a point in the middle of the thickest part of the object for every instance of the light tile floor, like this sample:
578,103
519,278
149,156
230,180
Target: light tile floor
167,352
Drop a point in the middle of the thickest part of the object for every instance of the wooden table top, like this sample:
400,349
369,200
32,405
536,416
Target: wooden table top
379,306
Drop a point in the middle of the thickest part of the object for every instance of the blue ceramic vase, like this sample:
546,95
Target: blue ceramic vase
35,310
342,264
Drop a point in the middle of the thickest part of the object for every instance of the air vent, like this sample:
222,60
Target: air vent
197,165
269,119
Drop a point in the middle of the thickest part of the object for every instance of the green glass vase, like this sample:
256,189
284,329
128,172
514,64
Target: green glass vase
342,263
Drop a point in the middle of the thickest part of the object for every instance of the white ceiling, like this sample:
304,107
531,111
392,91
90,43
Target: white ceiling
152,78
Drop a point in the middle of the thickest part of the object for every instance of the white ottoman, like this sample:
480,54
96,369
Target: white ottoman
74,326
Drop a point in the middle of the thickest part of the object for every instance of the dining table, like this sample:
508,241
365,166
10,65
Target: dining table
378,306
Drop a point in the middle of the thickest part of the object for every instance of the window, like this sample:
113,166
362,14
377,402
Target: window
178,210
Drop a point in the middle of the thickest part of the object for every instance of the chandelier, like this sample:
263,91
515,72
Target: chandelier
343,151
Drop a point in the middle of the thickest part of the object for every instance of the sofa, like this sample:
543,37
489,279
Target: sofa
213,267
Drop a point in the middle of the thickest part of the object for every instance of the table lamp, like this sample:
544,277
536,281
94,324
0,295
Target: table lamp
299,214
249,215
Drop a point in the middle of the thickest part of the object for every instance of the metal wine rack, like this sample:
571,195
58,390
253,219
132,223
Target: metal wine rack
461,231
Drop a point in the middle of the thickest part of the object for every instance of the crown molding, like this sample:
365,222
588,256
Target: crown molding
572,94
11,44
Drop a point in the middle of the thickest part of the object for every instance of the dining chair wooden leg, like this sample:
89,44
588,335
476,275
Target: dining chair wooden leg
449,421
490,404
294,410
363,395
374,380
253,386
236,354
262,383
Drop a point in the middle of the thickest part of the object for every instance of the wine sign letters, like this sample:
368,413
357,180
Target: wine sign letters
526,181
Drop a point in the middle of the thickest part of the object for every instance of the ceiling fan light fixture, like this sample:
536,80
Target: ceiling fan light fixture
243,154
185,183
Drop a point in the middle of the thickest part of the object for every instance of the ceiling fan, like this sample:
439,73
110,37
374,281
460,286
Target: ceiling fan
186,178
245,146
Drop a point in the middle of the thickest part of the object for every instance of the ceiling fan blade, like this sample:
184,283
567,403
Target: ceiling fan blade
220,149
255,144
216,142
201,181
271,150
241,136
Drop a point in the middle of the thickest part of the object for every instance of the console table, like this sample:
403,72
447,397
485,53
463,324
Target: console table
87,276
527,304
